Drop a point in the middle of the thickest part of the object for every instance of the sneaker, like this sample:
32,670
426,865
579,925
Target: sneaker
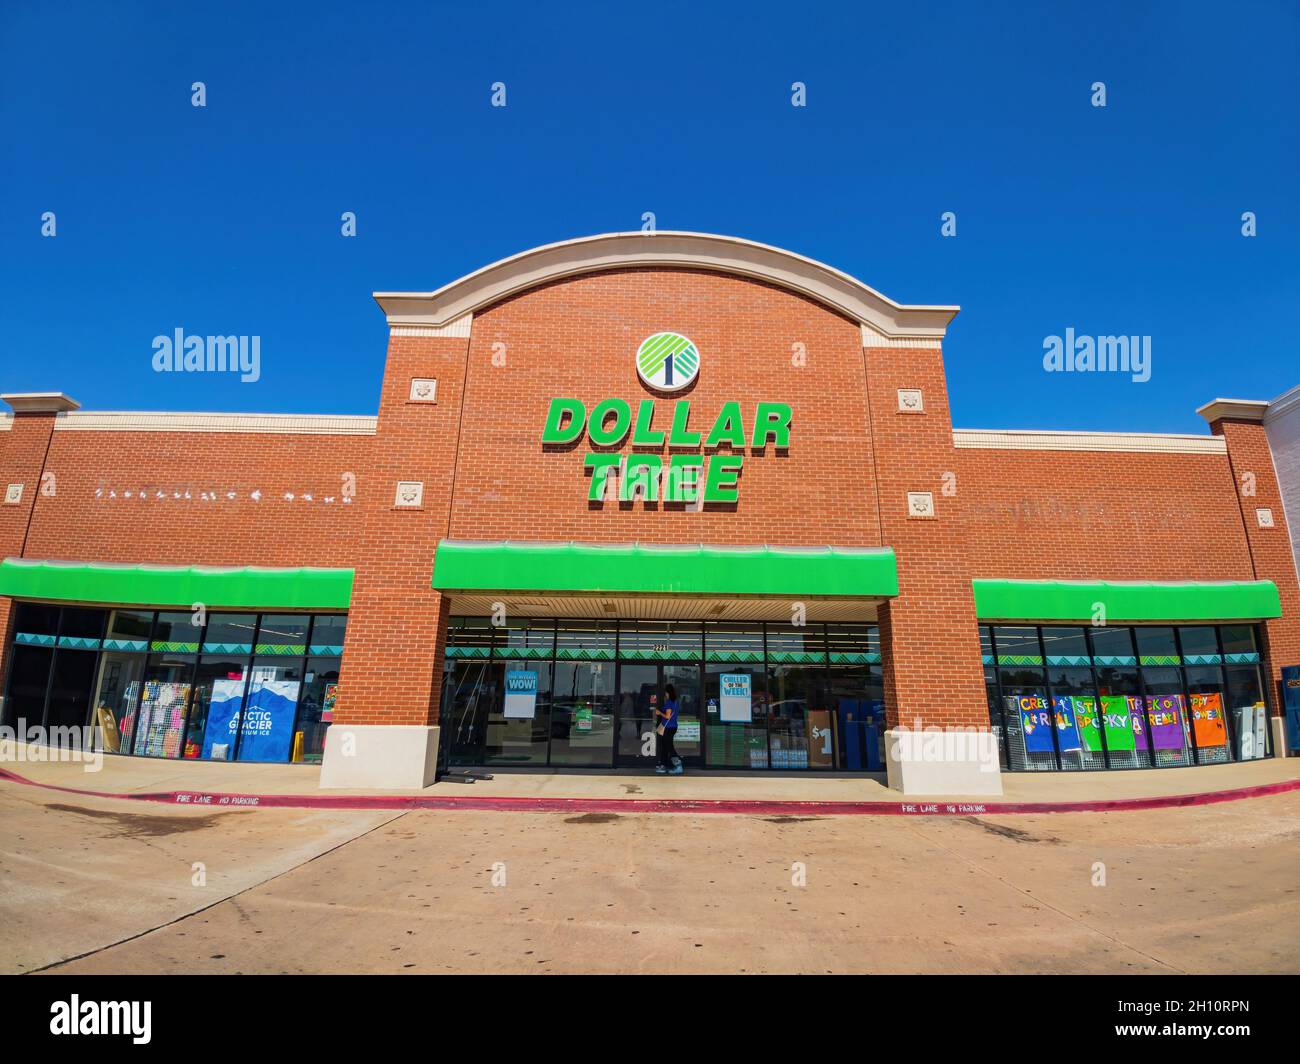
677,762
660,770
677,770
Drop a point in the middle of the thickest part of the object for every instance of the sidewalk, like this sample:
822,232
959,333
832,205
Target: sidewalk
220,783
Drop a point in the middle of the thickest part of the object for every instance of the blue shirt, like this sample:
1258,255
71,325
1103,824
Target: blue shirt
670,714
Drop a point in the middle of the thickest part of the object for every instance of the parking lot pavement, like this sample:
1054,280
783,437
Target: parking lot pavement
108,884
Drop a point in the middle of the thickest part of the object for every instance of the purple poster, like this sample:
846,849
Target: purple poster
1166,715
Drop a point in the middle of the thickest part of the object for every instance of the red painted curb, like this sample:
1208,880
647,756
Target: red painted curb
214,799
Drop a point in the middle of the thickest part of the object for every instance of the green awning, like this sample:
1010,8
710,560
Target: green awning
652,569
246,587
1065,600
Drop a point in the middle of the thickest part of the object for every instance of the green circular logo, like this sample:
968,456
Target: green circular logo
667,361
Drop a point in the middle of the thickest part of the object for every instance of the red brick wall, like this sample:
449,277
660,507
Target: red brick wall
1072,515
578,339
929,633
83,522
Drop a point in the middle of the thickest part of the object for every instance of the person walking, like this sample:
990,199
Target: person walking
669,763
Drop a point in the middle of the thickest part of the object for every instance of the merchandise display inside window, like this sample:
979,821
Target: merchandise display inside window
179,684
1125,697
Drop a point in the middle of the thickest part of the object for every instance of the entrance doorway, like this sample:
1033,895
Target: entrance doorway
642,690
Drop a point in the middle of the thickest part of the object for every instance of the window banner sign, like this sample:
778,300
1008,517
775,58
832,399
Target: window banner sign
1291,698
737,697
223,718
1117,718
1207,719
1067,731
268,722
1166,713
521,695
1035,724
1085,715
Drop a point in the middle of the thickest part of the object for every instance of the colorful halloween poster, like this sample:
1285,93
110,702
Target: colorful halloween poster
1085,715
1207,720
1035,724
1116,718
1067,730
1166,715
327,705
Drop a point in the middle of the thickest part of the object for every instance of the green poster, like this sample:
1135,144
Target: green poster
582,718
1119,728
1085,712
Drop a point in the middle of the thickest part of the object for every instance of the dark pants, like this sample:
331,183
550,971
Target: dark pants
666,750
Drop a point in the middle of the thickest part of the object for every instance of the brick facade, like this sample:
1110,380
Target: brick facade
843,481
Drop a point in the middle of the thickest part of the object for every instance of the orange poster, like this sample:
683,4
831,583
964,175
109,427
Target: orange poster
1207,720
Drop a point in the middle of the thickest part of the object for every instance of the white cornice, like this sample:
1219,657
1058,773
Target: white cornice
1034,440
873,338
459,327
141,421
39,402
699,251
1237,409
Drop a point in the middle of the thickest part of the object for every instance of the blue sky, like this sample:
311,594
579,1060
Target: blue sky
225,219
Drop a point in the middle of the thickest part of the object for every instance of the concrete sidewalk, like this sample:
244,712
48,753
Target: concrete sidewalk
139,775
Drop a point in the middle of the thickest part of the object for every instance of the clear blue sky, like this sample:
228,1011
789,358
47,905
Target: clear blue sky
1122,220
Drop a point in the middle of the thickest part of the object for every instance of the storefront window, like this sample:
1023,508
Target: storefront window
1167,715
519,714
1207,709
1239,646
1031,745
29,681
116,695
1123,713
582,713
316,709
1017,645
129,630
327,633
157,726
220,689
1199,646
1249,720
994,697
266,724
283,635
735,743
1157,646
177,633
796,707
1066,646
1074,713
856,700
526,639
796,644
592,640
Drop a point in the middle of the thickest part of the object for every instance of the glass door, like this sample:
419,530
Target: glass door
642,688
